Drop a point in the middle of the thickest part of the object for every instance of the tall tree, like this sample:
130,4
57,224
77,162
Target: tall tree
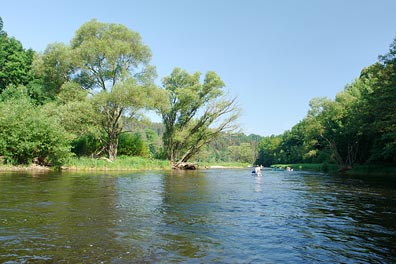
380,104
269,150
15,61
198,113
113,63
338,124
329,119
55,67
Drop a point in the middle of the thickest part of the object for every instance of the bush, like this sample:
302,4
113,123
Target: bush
27,134
130,144
85,145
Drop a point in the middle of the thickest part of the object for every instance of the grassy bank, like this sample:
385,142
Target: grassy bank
126,163
122,163
229,165
136,163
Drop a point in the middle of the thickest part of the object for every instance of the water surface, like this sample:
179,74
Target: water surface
213,216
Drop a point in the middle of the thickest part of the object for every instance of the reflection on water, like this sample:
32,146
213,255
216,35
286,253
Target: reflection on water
221,216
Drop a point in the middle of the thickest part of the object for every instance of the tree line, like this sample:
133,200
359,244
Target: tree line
89,98
357,127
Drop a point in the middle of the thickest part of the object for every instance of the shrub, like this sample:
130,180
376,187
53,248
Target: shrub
27,134
132,145
85,145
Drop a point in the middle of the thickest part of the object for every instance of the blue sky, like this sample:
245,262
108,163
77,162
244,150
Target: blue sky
273,55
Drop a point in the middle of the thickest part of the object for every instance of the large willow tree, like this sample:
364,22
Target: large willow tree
113,63
198,113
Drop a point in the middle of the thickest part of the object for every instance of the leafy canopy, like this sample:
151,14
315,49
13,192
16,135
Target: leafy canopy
197,113
113,63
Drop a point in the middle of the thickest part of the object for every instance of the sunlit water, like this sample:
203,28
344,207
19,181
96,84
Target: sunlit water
213,216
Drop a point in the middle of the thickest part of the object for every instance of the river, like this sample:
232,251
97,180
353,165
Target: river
208,216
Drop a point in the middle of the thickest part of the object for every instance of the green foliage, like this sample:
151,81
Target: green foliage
380,107
268,151
85,145
75,111
154,142
223,164
15,62
196,114
230,147
109,53
94,91
131,144
27,134
357,127
242,153
13,92
113,62
54,67
151,133
126,163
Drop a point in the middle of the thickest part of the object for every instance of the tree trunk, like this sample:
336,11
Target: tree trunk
184,166
113,146
113,130
344,163
186,156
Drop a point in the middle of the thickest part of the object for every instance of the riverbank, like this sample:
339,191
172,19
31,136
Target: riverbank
32,167
373,171
322,167
122,163
223,165
357,170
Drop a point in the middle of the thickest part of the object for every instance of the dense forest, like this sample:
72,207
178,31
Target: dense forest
89,98
357,127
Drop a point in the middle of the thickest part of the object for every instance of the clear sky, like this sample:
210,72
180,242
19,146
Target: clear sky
274,55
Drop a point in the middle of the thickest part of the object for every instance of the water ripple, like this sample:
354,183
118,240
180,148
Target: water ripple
213,216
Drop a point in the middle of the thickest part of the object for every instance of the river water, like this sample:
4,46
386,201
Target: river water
212,216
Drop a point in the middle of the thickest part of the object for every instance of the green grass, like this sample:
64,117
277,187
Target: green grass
136,163
121,163
223,164
126,163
